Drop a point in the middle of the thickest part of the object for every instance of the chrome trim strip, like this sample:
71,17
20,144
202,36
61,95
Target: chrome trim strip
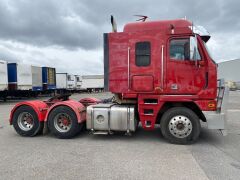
92,119
128,68
128,119
162,78
109,114
179,95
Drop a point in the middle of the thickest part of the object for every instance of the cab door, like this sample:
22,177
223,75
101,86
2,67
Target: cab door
184,75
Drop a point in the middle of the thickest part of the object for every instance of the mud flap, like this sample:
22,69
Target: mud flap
45,128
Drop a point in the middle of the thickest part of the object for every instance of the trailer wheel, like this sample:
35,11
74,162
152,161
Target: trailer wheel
180,125
63,123
25,121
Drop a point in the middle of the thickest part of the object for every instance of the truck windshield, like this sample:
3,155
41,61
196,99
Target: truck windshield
208,51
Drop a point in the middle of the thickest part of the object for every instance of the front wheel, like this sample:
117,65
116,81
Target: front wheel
180,125
63,123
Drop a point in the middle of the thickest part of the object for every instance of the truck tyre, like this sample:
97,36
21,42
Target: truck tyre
180,125
25,121
63,123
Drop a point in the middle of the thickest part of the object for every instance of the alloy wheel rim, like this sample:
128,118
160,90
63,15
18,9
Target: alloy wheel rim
180,126
25,121
62,122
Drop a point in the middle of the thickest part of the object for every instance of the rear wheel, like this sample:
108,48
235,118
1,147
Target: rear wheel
25,121
180,125
63,123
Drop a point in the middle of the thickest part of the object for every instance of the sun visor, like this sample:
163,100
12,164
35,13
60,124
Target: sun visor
201,31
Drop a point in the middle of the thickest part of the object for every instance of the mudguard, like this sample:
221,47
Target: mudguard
76,106
39,107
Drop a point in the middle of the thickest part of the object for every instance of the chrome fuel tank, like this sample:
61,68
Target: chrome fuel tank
111,117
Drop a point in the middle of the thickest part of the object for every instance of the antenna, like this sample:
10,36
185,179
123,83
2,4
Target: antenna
142,18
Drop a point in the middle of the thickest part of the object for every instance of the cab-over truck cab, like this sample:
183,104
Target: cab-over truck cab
164,65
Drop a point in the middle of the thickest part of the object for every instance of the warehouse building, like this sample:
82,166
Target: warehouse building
230,71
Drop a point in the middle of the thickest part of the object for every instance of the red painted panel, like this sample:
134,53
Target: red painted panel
118,61
183,76
39,107
180,77
89,101
142,83
164,26
203,105
76,106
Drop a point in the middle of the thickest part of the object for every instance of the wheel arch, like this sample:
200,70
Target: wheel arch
188,104
39,107
78,108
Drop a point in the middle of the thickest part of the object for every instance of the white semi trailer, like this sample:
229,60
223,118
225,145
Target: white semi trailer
3,79
19,79
78,82
93,83
65,82
37,83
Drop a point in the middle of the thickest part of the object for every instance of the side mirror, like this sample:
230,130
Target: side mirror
193,48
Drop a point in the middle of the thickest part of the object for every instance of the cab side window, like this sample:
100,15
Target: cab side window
143,53
180,49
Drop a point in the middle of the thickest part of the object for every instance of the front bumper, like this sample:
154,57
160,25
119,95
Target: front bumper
215,120
218,119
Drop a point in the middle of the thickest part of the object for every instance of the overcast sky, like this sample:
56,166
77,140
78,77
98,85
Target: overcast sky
67,34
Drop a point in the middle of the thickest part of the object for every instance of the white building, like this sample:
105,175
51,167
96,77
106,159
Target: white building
229,70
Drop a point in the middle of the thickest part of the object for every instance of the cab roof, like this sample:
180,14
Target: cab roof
157,25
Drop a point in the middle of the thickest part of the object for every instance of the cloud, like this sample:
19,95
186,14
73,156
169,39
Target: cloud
80,24
45,23
68,34
75,62
8,55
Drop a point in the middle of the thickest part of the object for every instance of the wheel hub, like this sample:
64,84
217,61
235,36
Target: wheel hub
180,126
62,122
25,121
29,120
65,122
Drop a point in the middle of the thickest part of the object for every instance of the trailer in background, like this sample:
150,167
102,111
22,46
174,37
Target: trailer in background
49,79
78,82
37,78
93,83
19,79
3,79
65,82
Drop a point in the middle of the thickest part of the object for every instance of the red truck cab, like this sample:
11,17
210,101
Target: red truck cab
160,72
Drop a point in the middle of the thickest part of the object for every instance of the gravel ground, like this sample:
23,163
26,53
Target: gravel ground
145,155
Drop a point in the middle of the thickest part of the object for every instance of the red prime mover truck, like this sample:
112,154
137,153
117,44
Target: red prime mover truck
160,72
